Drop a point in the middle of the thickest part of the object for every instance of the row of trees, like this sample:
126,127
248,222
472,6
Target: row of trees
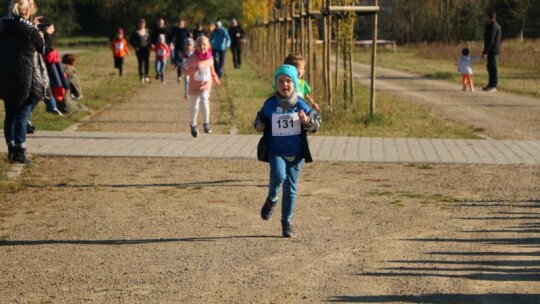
406,21
103,17
410,21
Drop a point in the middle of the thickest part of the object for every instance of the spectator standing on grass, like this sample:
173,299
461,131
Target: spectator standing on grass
464,67
237,39
120,49
220,41
140,40
23,76
57,76
285,119
492,48
181,34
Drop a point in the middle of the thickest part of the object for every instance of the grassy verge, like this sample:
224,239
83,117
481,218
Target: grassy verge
100,85
519,63
248,88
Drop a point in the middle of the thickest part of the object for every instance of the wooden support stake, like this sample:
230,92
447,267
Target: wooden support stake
373,60
311,60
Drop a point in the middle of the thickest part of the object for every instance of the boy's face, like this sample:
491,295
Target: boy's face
301,70
285,85
202,46
190,47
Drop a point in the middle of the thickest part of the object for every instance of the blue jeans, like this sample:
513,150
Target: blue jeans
50,104
15,122
492,70
160,68
219,61
284,172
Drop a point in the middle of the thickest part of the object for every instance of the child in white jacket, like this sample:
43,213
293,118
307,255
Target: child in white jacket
464,67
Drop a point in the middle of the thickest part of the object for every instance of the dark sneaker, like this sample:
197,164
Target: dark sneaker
11,153
288,229
19,156
267,209
206,128
194,131
30,128
490,89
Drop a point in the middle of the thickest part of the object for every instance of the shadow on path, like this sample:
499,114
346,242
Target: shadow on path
443,298
130,242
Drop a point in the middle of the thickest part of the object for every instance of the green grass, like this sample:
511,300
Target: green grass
249,87
519,63
100,86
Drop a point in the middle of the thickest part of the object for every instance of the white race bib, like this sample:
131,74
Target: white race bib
286,124
203,74
161,52
119,46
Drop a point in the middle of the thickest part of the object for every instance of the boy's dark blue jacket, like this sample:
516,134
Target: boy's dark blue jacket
295,145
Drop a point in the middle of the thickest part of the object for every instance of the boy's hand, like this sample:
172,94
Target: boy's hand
315,106
304,119
260,127
218,82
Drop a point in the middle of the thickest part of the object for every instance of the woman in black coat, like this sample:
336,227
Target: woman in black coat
23,76
141,42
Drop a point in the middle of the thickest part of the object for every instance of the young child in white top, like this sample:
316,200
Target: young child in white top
190,47
464,66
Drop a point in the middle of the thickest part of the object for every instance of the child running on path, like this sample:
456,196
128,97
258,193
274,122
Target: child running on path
162,52
285,119
200,69
464,66
303,90
190,44
120,49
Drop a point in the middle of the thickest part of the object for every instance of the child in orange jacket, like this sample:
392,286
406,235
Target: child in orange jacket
120,49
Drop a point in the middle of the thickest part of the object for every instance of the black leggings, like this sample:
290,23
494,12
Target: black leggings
143,60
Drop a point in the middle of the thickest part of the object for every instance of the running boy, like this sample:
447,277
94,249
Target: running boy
200,69
303,90
162,52
190,44
119,48
464,66
285,119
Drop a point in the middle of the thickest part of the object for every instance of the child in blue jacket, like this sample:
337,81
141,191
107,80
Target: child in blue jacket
285,119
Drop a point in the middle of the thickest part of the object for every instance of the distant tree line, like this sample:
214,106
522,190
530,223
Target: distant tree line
410,21
103,17
407,21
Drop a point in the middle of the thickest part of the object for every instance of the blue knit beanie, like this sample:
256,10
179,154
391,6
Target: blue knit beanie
289,71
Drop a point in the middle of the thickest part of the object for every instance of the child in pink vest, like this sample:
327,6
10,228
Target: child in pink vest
200,69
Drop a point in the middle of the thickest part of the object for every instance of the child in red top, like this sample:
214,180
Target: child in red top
162,52
120,49
200,68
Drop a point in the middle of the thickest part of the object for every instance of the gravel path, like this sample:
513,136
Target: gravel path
497,115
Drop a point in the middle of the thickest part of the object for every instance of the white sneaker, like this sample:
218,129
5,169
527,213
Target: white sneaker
147,80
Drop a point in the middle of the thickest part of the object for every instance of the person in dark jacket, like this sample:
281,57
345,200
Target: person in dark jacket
199,31
23,76
141,42
492,48
285,119
181,34
237,37
161,29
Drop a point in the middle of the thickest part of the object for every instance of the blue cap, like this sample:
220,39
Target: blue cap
289,71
